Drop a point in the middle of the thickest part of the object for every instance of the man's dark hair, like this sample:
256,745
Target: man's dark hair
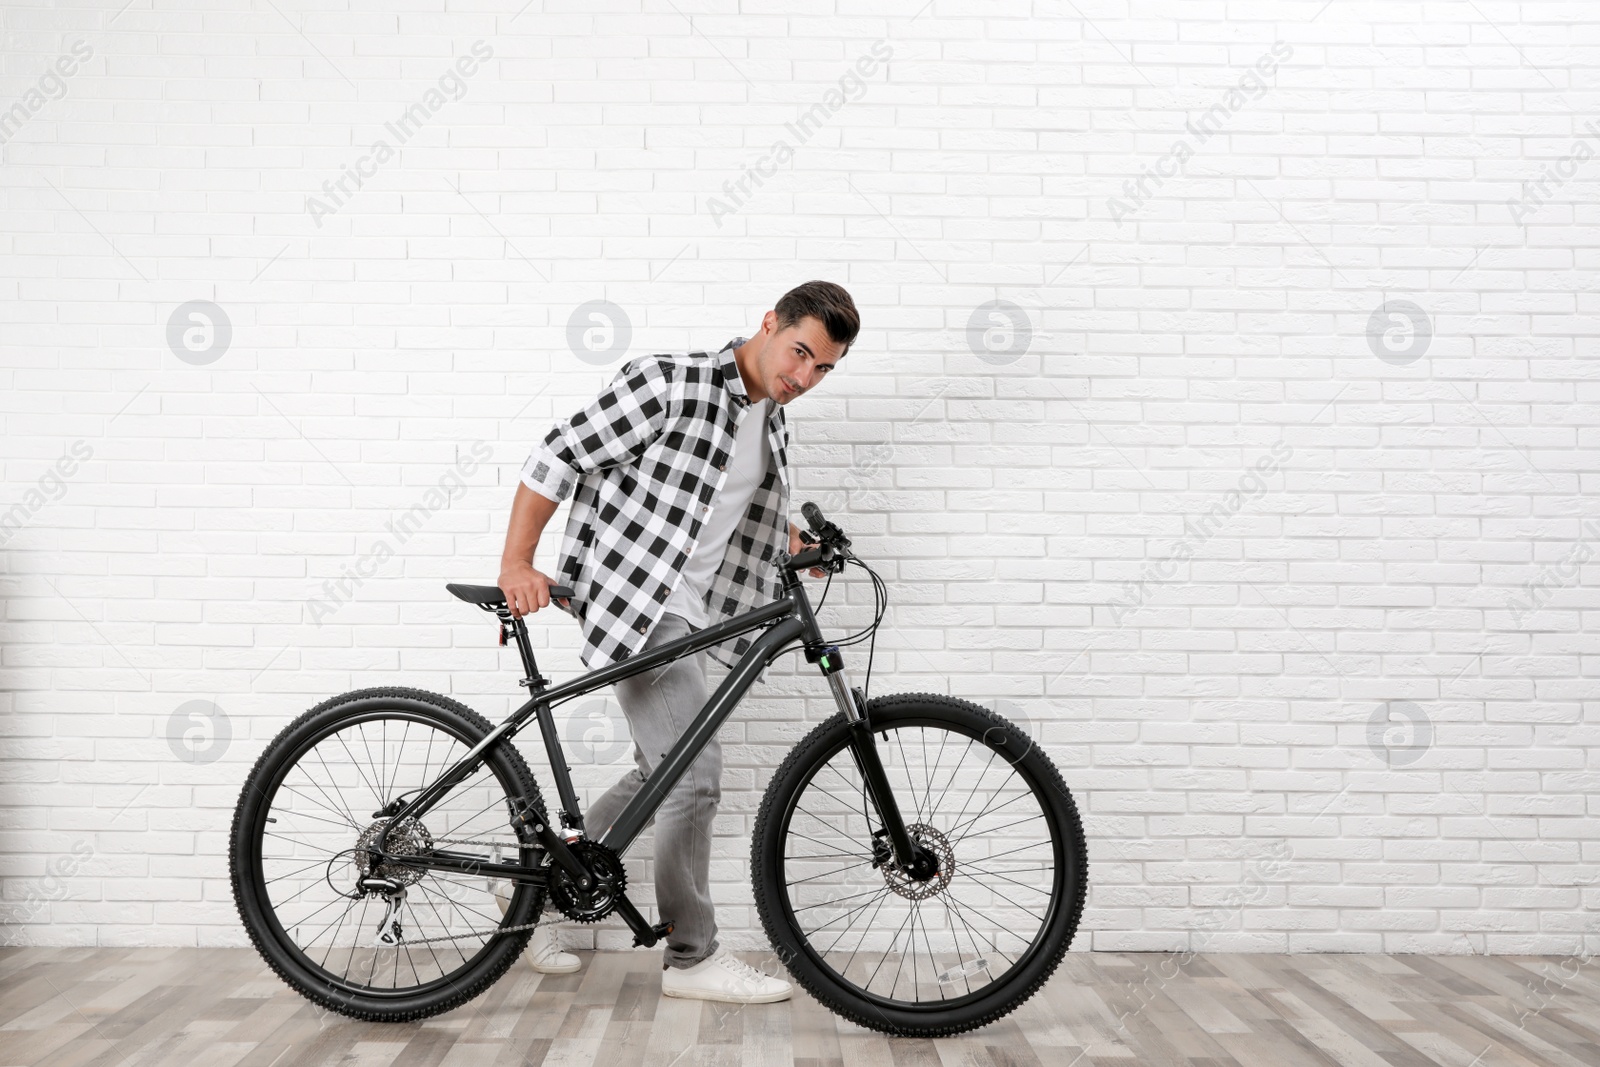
825,302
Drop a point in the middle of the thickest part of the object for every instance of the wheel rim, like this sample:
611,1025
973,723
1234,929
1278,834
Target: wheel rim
303,840
911,944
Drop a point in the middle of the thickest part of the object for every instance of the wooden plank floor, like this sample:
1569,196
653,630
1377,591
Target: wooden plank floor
66,1007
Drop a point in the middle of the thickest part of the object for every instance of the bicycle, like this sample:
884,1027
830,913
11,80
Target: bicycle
866,842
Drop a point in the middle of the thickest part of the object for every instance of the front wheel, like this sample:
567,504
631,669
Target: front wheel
955,943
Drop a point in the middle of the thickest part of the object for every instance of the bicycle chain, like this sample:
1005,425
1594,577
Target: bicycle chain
459,937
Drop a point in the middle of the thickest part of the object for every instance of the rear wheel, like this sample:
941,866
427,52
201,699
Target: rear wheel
970,933
298,856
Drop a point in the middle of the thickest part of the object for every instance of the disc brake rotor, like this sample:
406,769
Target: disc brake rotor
912,888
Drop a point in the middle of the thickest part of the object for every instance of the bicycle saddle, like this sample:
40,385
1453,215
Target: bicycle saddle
489,595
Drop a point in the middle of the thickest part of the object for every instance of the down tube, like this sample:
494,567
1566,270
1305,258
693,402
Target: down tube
620,834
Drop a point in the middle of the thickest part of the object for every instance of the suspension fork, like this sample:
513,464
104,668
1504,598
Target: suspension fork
864,750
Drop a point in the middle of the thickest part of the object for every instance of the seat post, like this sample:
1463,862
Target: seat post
518,629
536,683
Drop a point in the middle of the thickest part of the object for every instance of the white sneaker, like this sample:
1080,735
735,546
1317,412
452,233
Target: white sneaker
725,977
544,952
544,949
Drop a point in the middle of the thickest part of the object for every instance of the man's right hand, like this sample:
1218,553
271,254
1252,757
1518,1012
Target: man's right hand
527,590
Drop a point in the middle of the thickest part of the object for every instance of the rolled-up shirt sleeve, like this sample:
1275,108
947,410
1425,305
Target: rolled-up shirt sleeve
547,475
616,427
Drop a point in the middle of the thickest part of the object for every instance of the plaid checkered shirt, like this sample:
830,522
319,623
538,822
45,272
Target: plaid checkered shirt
647,458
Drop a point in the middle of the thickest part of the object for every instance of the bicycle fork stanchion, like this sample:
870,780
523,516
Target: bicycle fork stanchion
865,753
862,748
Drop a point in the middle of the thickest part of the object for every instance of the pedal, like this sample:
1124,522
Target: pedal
657,932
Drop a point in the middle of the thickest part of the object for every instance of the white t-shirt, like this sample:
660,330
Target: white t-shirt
747,466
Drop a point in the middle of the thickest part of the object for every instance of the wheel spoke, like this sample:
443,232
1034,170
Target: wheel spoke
846,968
825,874
823,821
344,816
906,763
291,874
991,874
956,906
989,811
328,773
944,738
824,904
359,769
892,942
832,852
853,911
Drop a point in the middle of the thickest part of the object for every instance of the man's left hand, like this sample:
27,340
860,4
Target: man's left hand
797,546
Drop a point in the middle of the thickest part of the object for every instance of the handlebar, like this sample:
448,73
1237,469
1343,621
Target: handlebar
818,556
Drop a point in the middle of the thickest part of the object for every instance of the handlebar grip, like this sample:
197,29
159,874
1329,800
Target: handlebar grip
815,556
826,532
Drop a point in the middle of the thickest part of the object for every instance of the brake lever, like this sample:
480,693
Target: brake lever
829,534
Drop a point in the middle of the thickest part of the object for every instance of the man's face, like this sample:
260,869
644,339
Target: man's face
795,359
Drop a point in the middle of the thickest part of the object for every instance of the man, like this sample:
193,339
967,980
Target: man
681,511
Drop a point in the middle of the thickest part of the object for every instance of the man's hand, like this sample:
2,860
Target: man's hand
526,589
796,546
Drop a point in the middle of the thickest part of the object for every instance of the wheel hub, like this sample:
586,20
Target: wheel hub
410,838
930,869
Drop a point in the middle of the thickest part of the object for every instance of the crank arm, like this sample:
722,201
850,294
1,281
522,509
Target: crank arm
557,847
643,933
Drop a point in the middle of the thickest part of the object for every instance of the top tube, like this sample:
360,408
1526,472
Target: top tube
683,646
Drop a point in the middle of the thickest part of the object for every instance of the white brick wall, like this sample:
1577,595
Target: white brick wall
1059,513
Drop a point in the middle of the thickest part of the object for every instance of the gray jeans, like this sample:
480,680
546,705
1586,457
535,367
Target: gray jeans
659,705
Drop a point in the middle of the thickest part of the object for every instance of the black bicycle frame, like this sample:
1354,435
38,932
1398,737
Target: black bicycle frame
787,619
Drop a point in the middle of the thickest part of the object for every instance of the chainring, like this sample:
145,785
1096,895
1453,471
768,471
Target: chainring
608,880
